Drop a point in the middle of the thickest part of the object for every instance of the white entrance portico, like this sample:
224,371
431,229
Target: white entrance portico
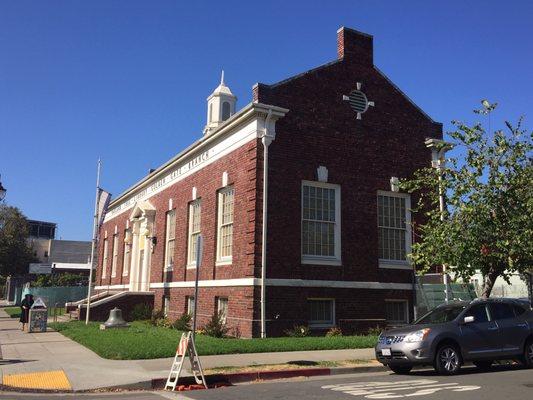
142,227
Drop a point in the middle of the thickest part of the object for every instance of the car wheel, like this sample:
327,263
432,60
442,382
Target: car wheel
483,365
401,369
447,360
527,358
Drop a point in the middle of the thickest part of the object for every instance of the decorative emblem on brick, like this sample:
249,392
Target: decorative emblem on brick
358,101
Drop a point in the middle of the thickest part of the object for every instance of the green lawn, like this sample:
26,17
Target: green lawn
143,341
14,312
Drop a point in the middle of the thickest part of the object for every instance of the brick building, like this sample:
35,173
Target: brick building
315,156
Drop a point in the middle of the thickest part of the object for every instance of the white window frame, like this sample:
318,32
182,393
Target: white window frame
407,314
322,324
166,305
220,302
170,218
224,260
114,260
323,260
191,248
104,260
126,262
190,305
397,264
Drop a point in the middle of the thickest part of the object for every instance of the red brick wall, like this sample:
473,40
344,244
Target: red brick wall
361,156
241,167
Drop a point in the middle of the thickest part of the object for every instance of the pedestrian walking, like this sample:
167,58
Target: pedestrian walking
25,306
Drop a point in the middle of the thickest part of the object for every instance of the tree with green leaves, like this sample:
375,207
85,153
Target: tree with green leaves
487,224
15,252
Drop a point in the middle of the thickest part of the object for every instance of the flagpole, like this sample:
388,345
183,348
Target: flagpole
95,233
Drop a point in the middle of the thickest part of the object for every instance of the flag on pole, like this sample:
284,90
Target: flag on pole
103,202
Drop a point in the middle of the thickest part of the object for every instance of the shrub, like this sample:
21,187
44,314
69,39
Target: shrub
216,327
334,332
375,331
183,323
298,331
141,312
163,322
156,316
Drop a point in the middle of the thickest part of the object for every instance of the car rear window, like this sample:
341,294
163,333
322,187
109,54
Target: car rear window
518,310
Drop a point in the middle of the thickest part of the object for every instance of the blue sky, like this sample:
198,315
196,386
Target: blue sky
127,81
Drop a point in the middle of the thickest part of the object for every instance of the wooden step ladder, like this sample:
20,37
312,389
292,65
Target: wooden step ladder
186,348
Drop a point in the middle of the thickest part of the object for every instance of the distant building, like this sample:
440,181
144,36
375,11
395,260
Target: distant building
56,255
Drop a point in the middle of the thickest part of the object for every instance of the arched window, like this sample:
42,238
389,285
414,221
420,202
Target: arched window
210,112
225,111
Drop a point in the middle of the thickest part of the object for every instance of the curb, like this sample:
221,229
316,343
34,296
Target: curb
216,379
245,377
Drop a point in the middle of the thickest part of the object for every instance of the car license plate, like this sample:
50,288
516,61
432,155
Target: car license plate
386,352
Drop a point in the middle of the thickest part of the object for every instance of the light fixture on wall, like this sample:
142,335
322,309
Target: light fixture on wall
394,184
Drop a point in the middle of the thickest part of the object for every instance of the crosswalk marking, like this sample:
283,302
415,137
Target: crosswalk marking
399,389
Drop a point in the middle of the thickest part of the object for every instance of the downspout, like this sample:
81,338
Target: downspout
266,139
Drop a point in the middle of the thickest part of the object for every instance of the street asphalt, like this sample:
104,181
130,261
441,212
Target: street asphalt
501,383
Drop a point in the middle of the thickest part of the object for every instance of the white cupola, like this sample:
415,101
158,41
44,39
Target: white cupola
220,106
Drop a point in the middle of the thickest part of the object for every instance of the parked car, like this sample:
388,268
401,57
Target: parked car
479,331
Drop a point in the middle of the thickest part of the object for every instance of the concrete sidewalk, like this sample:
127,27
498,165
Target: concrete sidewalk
35,352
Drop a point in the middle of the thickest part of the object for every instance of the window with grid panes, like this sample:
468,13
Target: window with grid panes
195,210
320,223
170,238
392,225
396,311
225,224
321,312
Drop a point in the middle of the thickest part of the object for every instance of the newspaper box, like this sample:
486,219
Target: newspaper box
38,316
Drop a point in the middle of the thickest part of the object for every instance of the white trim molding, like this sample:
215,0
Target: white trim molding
111,287
208,283
339,284
241,128
286,283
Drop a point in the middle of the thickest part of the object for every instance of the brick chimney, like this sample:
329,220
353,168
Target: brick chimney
355,46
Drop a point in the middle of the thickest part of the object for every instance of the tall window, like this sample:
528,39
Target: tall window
190,305
104,261
320,223
170,239
115,256
195,211
393,225
225,224
222,309
127,253
396,311
226,111
321,312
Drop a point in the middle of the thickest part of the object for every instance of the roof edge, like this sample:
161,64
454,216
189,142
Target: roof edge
235,119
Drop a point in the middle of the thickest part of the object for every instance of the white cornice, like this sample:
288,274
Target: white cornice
197,153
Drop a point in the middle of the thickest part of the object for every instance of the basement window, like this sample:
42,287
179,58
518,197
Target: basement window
321,313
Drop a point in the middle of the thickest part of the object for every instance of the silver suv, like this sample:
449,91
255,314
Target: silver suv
480,331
